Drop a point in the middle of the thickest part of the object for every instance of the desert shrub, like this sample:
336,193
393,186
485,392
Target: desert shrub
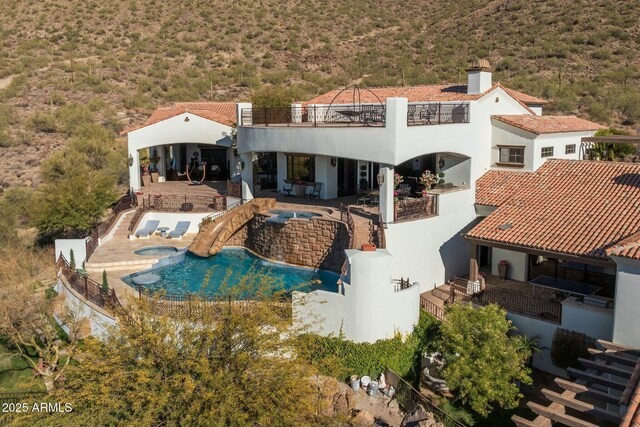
342,358
43,122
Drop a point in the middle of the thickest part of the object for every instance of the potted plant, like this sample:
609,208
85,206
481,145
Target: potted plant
503,269
364,183
139,198
154,166
144,167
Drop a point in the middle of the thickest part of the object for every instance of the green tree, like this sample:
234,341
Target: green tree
105,281
219,365
610,150
483,362
276,96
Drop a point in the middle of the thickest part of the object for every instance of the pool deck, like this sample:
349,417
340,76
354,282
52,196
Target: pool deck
117,256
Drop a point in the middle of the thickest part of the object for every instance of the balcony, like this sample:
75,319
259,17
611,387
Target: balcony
315,116
437,113
409,209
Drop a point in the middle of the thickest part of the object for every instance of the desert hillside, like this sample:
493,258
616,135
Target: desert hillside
121,59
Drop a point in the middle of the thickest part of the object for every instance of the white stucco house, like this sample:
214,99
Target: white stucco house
185,137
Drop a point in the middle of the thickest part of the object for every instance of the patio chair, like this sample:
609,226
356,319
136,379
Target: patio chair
314,191
181,229
148,229
288,188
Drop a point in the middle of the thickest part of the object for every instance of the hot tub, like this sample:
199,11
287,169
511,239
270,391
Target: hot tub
156,250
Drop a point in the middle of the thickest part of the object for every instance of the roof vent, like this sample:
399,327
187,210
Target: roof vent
505,226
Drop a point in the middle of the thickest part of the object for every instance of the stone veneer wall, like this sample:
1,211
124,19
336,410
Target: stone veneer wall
316,242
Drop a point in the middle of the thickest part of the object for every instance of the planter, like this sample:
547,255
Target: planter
503,270
155,177
139,198
146,180
299,189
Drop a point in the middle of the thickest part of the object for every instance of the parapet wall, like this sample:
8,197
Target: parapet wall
315,242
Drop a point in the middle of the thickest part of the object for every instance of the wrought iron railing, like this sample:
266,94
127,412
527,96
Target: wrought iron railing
234,189
93,240
91,290
195,304
401,284
431,308
409,209
316,115
437,113
520,303
382,239
227,207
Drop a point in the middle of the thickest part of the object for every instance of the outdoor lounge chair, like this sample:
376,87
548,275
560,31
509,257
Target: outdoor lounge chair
181,229
314,192
287,188
148,229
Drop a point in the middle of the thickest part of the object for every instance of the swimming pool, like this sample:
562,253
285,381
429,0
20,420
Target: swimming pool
233,266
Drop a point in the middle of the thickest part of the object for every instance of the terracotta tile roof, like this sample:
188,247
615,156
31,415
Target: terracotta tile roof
441,92
526,98
221,112
574,207
632,415
627,248
549,124
496,187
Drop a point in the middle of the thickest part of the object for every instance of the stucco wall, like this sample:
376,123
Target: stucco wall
369,308
99,320
66,245
433,250
517,263
625,325
317,243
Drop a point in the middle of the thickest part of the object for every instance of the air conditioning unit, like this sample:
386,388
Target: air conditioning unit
596,300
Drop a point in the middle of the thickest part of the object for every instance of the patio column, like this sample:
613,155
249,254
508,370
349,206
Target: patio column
134,169
473,263
386,193
246,162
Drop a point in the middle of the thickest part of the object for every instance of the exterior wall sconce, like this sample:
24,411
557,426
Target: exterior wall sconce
334,161
130,160
241,164
380,178
497,99
441,162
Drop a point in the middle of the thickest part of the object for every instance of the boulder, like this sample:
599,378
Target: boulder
362,418
418,417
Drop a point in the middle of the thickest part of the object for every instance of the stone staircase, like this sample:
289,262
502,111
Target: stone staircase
122,227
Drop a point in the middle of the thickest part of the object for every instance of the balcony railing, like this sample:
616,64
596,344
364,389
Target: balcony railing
437,113
411,209
315,116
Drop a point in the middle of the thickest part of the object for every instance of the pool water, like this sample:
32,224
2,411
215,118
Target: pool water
234,266
156,250
294,214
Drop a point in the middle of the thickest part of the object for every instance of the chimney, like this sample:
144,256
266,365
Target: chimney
479,77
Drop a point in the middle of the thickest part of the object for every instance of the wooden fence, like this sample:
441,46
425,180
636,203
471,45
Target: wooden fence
431,308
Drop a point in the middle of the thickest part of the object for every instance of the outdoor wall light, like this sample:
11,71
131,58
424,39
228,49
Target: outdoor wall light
130,160
334,161
380,178
241,164
441,163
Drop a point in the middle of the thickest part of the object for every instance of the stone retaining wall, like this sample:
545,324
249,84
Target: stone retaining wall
316,242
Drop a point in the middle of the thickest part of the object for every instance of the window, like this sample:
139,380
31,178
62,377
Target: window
570,149
301,168
511,155
546,152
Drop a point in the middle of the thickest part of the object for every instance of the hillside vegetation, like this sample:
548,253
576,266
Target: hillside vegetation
121,59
